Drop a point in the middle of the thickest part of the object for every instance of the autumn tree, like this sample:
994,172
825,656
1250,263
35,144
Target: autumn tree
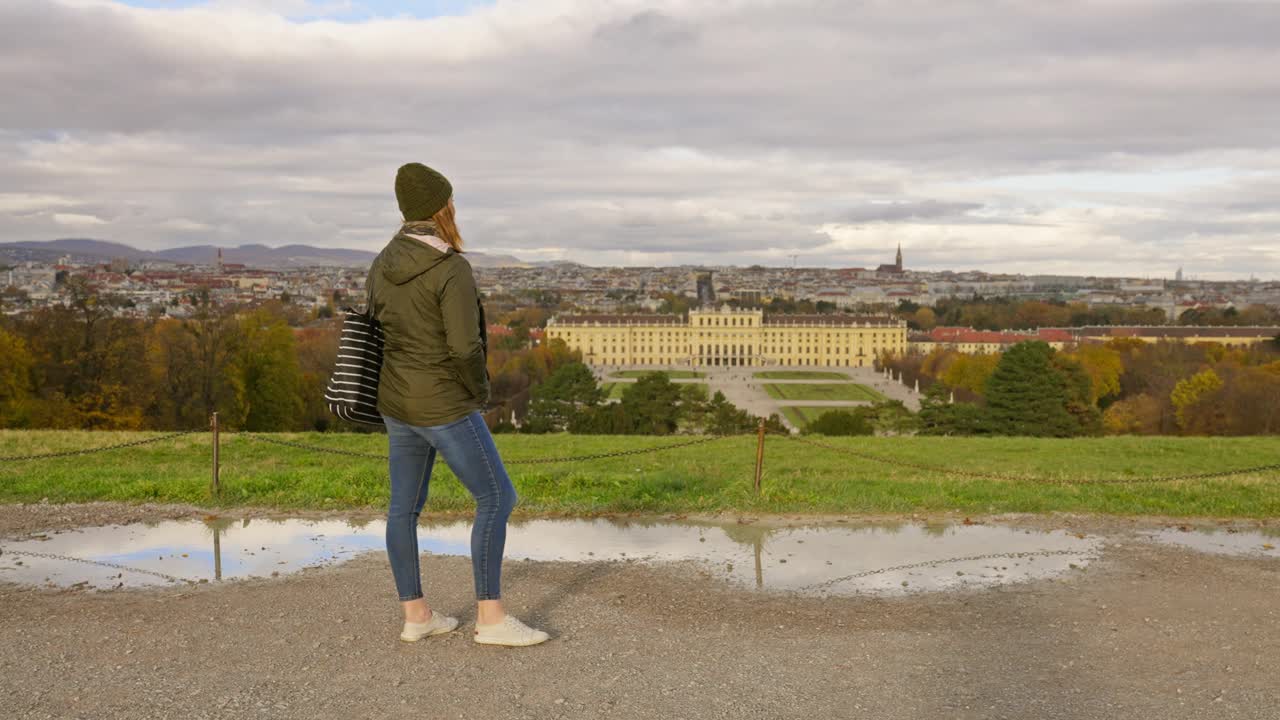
267,365
925,319
970,372
317,349
88,366
1103,365
1136,415
1249,401
15,380
1192,400
193,361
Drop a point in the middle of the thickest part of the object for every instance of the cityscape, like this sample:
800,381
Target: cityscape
153,288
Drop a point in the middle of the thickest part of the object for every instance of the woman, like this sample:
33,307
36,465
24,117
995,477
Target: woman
432,388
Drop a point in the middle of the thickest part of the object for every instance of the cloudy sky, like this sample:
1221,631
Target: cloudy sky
1114,137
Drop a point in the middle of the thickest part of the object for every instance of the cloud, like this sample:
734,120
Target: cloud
672,130
77,219
22,203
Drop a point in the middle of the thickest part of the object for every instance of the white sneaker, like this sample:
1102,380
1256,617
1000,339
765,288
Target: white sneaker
510,632
437,625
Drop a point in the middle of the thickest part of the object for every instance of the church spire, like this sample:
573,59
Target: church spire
898,260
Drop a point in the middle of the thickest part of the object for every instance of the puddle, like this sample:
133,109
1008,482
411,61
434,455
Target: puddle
1222,542
819,559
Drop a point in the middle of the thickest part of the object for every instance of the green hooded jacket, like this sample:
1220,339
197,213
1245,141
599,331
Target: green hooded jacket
433,359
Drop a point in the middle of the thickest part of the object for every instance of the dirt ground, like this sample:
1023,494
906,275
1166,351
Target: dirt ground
1146,631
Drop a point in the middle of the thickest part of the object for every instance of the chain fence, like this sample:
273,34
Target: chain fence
1256,469
104,448
760,434
701,440
99,563
938,563
518,461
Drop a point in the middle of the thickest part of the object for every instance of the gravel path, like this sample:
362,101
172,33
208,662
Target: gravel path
1145,632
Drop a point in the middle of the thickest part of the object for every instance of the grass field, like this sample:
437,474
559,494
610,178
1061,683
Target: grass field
819,391
673,374
800,375
800,415
798,478
614,391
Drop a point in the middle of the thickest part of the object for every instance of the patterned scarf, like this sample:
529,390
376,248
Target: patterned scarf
420,227
425,231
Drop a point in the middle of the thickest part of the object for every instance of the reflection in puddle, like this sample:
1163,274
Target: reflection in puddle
1223,542
818,558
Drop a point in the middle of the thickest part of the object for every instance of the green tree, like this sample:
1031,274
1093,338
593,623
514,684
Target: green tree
891,417
839,423
1029,394
695,404
568,391
937,416
1080,404
774,424
653,404
606,419
269,373
724,418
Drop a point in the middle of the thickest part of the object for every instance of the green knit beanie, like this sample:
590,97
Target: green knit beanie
421,191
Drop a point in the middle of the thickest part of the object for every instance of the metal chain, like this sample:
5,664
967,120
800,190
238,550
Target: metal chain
905,463
88,451
523,461
938,563
101,563
1045,481
619,453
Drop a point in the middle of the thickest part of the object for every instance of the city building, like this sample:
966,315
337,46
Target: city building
968,340
896,267
727,337
978,342
706,289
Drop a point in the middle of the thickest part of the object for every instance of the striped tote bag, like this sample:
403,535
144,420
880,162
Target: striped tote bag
352,393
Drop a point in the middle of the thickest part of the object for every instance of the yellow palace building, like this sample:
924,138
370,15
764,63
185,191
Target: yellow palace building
730,338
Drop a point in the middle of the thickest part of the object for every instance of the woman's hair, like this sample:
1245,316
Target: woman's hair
447,227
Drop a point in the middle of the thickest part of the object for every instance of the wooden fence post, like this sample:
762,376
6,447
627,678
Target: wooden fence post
215,488
759,454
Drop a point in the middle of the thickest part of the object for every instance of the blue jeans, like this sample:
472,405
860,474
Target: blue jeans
470,453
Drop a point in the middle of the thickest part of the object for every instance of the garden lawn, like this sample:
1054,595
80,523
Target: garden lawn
614,391
801,416
821,391
799,375
715,476
673,374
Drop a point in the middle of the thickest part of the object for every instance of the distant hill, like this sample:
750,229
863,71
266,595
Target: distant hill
260,256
